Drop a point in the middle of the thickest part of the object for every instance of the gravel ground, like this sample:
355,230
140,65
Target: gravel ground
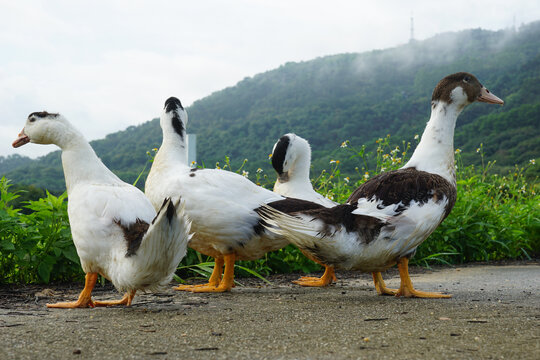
494,314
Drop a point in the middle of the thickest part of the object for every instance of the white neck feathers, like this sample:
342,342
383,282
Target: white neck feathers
80,162
435,152
172,150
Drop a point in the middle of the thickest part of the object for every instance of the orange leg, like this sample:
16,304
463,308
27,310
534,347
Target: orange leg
214,280
380,286
85,298
328,277
227,282
406,288
126,300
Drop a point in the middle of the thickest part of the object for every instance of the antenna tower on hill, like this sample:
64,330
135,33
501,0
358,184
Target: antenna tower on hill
412,29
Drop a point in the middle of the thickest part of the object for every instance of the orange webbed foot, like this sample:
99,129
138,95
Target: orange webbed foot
421,294
214,280
126,300
212,289
73,304
85,297
194,287
328,277
380,286
226,284
406,288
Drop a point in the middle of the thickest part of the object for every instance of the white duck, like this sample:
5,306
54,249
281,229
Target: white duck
115,228
221,204
291,158
389,216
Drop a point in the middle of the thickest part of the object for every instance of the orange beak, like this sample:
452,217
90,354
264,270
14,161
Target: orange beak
21,140
486,96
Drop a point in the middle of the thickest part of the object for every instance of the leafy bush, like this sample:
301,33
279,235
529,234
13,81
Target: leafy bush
495,217
36,247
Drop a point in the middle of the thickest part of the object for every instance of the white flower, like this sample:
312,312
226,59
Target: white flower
532,161
259,170
366,175
478,150
332,161
344,144
245,173
458,151
346,179
416,137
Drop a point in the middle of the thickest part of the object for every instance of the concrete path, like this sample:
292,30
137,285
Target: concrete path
494,314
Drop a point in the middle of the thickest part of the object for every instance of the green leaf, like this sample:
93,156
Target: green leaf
7,245
44,272
71,254
254,273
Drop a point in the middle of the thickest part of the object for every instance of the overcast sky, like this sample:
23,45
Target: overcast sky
109,64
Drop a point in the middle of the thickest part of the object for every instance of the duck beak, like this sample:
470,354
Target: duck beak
21,140
486,96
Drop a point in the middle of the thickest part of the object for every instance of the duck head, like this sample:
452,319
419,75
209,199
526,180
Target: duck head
291,154
41,128
461,89
174,118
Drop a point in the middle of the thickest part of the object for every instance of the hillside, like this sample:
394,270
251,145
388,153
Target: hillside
356,97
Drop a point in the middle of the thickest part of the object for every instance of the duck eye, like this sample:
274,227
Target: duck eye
32,119
467,78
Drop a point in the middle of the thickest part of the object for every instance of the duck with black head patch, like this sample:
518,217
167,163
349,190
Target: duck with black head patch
115,229
291,158
389,216
221,204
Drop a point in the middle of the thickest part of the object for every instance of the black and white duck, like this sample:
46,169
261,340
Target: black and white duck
291,159
389,216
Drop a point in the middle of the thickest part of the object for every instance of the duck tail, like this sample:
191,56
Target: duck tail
162,248
308,234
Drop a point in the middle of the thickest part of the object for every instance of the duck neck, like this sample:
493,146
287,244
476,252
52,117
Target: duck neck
435,152
172,150
300,173
80,162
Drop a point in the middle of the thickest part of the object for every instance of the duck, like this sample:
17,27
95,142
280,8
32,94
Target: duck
115,229
291,159
222,205
389,216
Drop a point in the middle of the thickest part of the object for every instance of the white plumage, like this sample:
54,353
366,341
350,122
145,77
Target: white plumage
221,204
114,226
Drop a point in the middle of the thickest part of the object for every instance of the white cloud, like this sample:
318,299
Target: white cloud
111,64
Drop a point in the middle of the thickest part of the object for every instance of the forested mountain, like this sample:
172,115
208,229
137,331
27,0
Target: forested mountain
356,97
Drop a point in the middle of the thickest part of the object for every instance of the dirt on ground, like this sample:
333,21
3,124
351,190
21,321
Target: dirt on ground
494,314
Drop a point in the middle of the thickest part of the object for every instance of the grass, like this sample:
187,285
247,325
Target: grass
496,217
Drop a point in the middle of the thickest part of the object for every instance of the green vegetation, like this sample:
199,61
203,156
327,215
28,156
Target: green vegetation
359,97
35,247
496,217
